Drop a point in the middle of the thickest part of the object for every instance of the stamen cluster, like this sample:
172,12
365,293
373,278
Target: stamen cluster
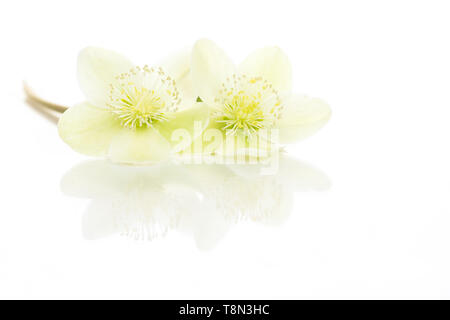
247,104
143,96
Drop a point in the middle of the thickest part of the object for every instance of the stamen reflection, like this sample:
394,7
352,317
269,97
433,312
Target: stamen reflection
204,201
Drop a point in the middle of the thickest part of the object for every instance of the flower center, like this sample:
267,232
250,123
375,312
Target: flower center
143,96
247,104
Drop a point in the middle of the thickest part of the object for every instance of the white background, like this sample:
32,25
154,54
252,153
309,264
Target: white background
382,229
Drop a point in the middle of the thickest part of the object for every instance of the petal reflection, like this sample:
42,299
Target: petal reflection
203,201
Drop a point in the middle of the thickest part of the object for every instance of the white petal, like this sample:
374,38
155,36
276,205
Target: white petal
96,71
272,64
210,66
187,93
178,66
88,129
302,117
143,145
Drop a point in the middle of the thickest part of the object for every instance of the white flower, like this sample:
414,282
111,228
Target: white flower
253,97
130,112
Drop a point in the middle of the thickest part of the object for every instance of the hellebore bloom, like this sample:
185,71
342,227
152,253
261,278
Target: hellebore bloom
130,112
253,98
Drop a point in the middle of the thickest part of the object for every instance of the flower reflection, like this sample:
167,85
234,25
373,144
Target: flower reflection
204,201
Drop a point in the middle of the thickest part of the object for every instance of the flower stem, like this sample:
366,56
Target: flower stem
31,96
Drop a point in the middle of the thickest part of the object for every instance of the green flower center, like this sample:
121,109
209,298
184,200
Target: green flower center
247,104
142,97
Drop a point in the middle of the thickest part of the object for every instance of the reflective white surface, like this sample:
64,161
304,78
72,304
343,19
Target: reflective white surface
362,211
204,201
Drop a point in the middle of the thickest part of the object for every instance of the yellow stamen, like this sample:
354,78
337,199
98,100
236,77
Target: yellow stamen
143,96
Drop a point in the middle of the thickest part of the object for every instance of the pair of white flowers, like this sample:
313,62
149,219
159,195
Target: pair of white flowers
132,112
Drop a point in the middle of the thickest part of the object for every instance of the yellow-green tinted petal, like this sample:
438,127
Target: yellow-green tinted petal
206,143
88,129
191,121
253,147
214,140
97,69
143,145
210,66
272,64
302,117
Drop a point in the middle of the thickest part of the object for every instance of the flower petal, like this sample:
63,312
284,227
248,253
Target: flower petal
178,66
202,146
96,71
88,129
302,117
143,145
210,66
272,64
194,120
246,147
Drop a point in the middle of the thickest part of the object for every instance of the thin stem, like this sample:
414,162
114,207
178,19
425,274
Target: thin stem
44,103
